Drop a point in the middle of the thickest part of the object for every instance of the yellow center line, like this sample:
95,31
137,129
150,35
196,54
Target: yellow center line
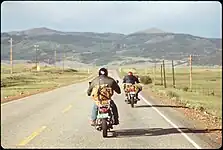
32,136
66,109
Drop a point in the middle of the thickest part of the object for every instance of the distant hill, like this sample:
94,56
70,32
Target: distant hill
35,32
108,48
151,30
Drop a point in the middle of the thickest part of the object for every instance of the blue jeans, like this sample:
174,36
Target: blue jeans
94,112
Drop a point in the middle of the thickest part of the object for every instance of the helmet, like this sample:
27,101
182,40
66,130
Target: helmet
130,73
103,71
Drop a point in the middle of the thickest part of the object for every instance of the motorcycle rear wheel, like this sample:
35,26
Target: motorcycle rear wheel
132,102
104,128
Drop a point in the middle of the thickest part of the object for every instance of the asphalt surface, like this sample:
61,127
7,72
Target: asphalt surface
60,119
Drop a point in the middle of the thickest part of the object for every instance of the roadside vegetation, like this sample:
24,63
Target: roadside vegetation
25,80
206,92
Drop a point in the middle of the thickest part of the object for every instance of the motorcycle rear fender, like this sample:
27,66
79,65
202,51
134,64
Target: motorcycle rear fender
103,109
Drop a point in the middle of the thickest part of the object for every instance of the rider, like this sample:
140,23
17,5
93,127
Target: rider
130,78
104,79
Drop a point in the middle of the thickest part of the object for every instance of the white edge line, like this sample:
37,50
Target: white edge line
168,120
175,126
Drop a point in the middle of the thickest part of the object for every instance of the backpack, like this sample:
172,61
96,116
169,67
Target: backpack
102,92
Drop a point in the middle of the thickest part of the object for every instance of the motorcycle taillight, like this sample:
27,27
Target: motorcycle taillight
132,89
103,110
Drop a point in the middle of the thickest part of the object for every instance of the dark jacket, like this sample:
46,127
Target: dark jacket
104,80
130,79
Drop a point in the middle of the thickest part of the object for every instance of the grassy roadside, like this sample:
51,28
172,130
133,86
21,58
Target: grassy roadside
26,81
206,95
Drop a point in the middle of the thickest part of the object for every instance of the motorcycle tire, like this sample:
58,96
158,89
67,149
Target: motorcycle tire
104,128
132,102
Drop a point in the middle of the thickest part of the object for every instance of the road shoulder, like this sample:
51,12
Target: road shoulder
209,129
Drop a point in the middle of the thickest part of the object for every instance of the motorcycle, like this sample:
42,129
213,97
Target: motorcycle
105,119
131,96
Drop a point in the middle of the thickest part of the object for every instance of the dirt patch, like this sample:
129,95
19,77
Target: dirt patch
206,121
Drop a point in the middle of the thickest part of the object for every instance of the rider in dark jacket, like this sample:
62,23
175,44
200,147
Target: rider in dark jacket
104,79
130,78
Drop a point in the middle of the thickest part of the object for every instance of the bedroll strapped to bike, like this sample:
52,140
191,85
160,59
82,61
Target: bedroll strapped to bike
102,93
128,86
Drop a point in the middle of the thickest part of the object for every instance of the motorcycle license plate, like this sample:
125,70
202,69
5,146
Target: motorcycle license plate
102,115
132,93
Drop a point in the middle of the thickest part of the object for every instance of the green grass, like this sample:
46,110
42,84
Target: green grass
28,81
206,93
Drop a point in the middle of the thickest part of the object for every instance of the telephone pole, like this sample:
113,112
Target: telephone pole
11,55
164,74
36,49
55,56
190,60
174,85
161,72
63,59
154,72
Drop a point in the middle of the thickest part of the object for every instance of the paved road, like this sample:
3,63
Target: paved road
60,119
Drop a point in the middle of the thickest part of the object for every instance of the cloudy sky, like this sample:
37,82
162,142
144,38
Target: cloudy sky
196,18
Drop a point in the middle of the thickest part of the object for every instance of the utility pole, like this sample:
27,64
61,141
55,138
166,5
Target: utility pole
155,74
173,75
11,55
161,72
55,56
190,60
164,74
63,59
36,49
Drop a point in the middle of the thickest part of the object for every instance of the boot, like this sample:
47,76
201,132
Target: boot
116,122
126,98
93,122
137,97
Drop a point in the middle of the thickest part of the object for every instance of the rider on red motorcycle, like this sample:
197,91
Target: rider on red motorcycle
130,78
104,79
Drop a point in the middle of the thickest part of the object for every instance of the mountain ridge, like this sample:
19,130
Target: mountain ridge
105,48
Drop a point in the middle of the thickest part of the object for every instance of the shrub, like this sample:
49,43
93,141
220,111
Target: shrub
211,93
185,88
3,84
145,79
172,94
70,70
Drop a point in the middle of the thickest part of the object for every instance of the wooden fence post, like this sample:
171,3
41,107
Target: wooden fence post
164,75
173,75
161,73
